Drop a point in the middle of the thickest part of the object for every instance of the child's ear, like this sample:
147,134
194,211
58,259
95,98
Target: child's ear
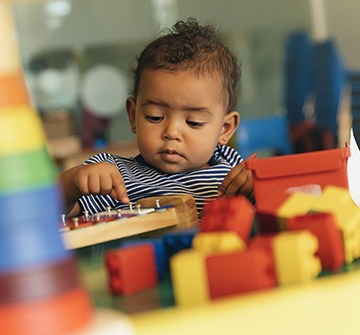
231,123
131,108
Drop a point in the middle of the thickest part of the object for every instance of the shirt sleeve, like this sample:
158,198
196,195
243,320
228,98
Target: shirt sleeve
224,153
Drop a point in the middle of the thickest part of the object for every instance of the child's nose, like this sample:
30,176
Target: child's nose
171,131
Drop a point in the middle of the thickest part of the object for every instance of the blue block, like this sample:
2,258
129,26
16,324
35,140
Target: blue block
179,240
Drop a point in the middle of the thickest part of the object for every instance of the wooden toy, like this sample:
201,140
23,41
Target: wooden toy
113,225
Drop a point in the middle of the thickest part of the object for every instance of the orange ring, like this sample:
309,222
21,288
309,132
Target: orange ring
13,91
60,314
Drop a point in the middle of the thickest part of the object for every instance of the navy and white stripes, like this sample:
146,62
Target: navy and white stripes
142,180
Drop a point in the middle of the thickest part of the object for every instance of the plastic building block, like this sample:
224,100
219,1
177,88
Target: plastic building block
178,240
273,176
159,249
189,277
298,203
347,218
274,219
239,272
265,242
131,269
333,195
295,260
323,226
217,242
229,214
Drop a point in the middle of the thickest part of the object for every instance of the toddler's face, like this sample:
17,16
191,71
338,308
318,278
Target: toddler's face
179,118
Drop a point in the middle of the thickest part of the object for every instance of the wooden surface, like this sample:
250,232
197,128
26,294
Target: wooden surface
182,215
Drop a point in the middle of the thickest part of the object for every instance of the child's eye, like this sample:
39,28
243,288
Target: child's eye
153,119
195,124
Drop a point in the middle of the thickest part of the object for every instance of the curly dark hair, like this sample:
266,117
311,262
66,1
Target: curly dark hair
190,46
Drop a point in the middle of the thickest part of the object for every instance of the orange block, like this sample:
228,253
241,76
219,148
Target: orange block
13,91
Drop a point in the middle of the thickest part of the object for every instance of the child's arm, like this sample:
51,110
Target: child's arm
238,181
97,178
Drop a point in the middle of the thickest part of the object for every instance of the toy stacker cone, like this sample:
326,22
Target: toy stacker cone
40,289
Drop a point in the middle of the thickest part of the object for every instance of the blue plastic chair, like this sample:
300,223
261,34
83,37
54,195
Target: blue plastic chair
267,136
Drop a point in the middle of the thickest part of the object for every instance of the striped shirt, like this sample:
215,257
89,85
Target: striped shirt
143,181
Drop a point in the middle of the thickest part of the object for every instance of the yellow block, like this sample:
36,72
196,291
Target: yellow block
337,201
298,203
21,130
9,52
189,277
215,242
347,218
294,256
332,198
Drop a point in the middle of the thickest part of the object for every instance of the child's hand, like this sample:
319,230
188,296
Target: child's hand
238,181
101,178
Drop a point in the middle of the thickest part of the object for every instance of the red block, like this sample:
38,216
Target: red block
323,226
264,242
131,269
239,272
229,214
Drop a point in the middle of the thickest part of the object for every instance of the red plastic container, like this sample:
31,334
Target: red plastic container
275,176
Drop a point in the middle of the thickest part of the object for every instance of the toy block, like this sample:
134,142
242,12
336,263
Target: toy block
131,269
347,217
189,277
218,242
159,249
178,240
323,226
229,214
274,220
296,204
239,272
348,220
294,254
265,242
274,176
333,195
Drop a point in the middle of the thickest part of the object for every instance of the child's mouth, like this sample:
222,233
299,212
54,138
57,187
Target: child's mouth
170,156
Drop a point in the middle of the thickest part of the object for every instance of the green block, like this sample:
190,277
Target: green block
26,170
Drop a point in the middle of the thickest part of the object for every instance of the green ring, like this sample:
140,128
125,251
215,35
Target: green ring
26,170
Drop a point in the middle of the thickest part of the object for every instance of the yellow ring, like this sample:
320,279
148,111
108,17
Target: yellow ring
21,130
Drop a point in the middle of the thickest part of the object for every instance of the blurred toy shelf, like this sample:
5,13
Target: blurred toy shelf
68,152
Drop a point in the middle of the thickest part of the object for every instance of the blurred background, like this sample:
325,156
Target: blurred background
77,56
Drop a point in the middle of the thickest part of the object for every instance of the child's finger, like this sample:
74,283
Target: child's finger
119,190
